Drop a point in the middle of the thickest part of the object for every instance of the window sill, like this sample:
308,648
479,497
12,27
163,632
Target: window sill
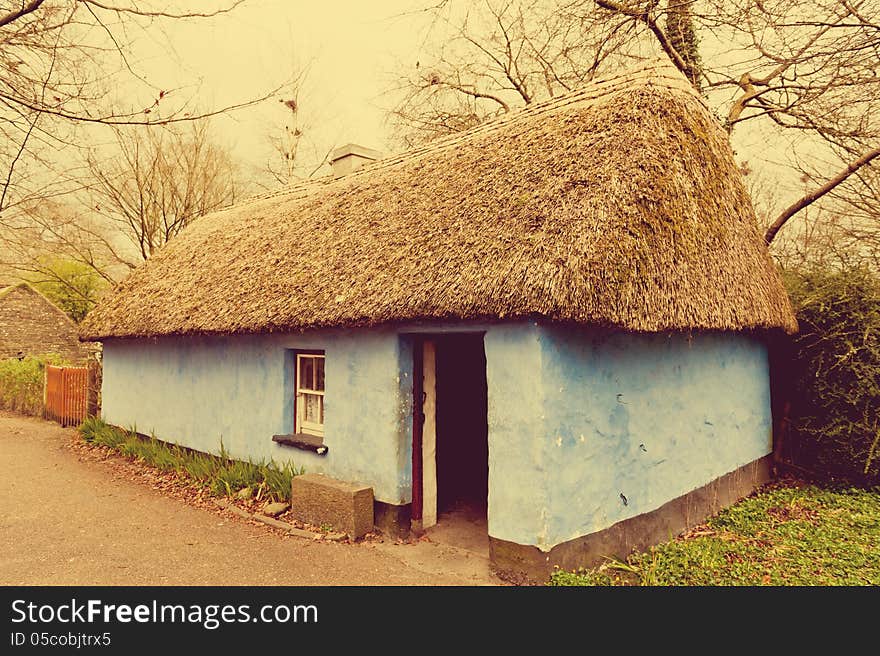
302,441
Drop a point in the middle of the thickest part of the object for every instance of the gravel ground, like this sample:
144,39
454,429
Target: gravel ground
74,516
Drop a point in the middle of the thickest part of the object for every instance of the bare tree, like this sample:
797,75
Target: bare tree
856,208
763,191
821,190
850,220
158,181
295,154
806,67
68,74
496,55
133,197
60,62
50,230
286,141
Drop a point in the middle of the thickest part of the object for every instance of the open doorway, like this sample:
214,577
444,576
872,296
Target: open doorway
462,427
450,439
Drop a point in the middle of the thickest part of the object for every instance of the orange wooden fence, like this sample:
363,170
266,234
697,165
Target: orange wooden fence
67,394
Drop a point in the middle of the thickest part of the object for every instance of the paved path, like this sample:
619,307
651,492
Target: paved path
68,520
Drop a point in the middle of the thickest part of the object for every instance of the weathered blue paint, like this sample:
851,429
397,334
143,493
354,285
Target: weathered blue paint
198,390
627,423
579,419
517,484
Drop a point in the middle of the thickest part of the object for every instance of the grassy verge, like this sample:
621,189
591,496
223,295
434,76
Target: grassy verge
220,474
787,535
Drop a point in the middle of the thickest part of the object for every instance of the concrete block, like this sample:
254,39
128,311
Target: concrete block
323,501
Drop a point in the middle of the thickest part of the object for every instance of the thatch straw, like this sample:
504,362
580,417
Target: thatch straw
616,205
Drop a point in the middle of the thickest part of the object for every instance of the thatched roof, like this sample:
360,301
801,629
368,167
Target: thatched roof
616,205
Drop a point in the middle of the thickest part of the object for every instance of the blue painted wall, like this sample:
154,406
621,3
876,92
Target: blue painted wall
648,417
197,390
518,493
576,417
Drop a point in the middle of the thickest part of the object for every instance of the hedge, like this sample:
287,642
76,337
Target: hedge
834,373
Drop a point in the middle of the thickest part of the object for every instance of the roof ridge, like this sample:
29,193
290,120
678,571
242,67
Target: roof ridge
8,288
655,72
24,284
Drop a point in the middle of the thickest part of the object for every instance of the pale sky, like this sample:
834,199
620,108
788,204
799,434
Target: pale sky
351,49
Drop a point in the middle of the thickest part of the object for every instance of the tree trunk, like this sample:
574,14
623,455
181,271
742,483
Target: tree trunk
683,36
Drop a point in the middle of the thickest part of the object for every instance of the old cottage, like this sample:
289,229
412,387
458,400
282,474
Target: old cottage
31,325
557,319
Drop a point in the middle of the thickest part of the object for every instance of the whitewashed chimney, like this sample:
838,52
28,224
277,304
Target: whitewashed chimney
351,157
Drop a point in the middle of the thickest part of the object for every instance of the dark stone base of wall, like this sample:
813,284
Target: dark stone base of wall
528,564
391,519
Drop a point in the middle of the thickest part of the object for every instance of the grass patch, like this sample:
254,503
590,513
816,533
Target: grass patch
787,535
220,474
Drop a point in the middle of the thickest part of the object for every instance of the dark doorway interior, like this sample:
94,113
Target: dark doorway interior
462,427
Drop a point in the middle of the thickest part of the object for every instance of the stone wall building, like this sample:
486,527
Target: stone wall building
30,324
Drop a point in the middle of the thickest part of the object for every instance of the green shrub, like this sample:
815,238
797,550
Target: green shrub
221,474
834,373
21,383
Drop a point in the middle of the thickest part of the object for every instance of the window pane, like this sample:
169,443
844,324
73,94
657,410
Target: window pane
314,410
319,373
321,399
306,372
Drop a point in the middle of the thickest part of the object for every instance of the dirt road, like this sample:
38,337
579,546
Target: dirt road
70,520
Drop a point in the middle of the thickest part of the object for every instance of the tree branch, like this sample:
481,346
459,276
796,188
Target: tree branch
748,83
125,119
648,20
159,14
13,16
815,195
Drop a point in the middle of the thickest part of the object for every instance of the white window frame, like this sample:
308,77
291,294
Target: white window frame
303,426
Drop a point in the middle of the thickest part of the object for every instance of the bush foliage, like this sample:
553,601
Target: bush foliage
21,383
834,373
221,474
71,285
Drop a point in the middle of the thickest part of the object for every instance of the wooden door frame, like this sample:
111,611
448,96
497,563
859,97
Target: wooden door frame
424,431
418,419
426,354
